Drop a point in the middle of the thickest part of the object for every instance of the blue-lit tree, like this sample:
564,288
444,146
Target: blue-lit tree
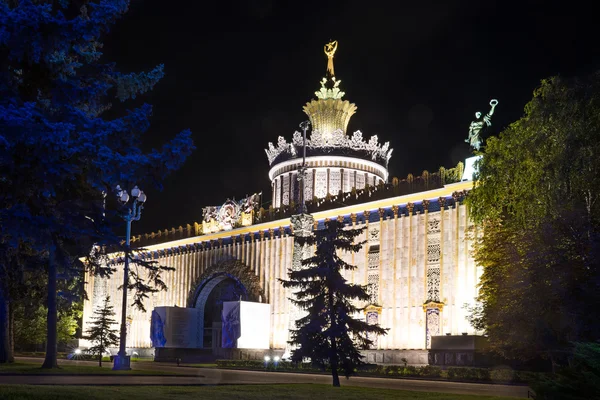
60,156
330,335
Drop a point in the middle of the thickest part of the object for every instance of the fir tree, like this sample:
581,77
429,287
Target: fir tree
61,155
101,332
330,335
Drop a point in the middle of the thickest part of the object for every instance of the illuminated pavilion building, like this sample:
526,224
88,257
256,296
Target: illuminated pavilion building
224,297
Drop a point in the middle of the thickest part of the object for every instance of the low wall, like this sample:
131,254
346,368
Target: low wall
459,350
394,357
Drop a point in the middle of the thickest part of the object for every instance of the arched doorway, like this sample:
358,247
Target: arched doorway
228,280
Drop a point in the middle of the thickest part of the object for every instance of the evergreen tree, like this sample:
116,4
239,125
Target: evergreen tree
330,335
101,332
61,157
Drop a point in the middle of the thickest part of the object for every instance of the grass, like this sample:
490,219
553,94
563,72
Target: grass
63,356
251,392
34,369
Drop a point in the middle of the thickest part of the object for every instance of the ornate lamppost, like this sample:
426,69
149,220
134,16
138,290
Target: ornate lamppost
133,213
303,227
302,172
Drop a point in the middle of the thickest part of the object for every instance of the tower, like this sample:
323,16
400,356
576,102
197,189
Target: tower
336,162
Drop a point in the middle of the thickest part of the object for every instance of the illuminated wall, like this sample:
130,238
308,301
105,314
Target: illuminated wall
418,252
325,175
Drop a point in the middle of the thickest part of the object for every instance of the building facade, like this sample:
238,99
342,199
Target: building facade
416,262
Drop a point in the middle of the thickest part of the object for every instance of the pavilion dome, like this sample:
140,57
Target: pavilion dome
336,162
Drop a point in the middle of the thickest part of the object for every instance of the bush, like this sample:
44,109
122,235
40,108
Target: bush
430,371
578,380
503,375
409,371
269,366
465,373
427,371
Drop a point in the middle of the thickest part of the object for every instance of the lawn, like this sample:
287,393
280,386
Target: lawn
34,369
251,392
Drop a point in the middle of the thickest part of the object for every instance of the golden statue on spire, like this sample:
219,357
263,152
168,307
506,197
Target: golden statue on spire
330,49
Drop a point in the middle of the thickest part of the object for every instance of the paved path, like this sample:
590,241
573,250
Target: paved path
213,376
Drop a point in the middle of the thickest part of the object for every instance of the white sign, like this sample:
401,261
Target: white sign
246,325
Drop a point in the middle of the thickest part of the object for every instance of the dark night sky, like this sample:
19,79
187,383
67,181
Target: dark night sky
238,74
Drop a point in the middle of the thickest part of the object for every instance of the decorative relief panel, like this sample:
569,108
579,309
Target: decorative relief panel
335,182
374,236
347,181
286,190
373,259
432,324
373,287
277,193
308,185
360,181
372,318
321,184
433,257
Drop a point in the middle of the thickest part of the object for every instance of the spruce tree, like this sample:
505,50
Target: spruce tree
61,153
101,332
330,335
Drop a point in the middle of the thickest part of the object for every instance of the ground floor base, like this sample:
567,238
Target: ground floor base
442,358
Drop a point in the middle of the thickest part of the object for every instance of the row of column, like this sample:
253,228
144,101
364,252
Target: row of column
284,186
424,264
268,255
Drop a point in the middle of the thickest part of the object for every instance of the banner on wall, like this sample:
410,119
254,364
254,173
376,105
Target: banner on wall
175,327
246,325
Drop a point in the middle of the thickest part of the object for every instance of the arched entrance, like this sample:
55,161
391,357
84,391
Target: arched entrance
228,280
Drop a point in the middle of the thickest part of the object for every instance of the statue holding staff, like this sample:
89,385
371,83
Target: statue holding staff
477,126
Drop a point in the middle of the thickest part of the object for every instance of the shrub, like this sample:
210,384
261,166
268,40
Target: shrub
409,371
503,375
474,374
392,369
430,371
578,380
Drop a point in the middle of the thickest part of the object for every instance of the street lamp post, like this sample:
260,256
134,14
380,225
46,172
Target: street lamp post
133,213
302,173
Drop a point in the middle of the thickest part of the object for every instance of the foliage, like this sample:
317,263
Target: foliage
329,334
474,374
536,202
60,154
30,326
101,331
505,375
576,381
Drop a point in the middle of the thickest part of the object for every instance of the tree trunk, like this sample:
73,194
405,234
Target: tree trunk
100,355
11,332
334,363
51,336
333,356
5,353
